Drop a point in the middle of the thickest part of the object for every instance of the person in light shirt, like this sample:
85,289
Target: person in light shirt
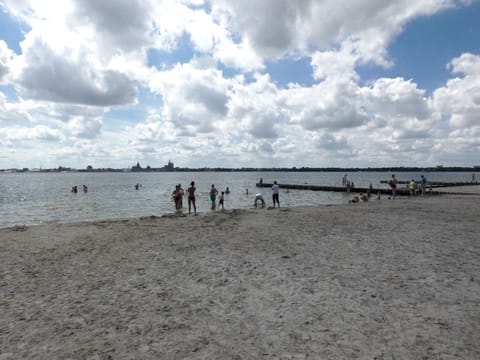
413,187
259,197
275,191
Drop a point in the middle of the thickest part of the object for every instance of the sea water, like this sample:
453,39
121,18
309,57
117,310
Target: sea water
34,198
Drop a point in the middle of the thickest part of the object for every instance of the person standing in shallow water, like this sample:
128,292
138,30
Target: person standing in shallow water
275,194
180,196
259,197
221,200
191,198
177,197
174,197
213,196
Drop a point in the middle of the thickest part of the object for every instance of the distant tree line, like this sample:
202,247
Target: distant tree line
170,168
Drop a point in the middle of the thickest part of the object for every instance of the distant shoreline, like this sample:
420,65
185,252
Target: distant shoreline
293,169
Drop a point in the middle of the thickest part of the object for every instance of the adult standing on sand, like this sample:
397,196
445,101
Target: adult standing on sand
275,191
413,187
393,185
423,184
191,198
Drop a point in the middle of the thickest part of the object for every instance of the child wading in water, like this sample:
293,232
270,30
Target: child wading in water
221,199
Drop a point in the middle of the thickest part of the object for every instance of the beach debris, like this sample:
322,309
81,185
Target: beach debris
19,228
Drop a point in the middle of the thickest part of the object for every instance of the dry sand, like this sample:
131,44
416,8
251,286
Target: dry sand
379,280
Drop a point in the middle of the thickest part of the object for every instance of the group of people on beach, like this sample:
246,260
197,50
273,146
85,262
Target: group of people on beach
177,196
347,183
178,193
215,195
412,186
221,199
275,196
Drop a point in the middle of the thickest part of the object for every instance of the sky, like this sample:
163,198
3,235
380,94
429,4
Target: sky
227,83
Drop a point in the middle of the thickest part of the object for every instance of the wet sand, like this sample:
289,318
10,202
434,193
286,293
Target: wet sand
378,280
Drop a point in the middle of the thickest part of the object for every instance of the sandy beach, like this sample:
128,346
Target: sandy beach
378,280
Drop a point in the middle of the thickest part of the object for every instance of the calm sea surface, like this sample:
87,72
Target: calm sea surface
34,198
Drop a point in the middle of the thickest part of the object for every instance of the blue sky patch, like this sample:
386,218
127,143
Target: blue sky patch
289,71
11,32
423,50
162,60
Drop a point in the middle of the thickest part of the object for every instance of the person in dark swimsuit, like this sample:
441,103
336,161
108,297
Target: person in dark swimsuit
191,198
393,185
221,199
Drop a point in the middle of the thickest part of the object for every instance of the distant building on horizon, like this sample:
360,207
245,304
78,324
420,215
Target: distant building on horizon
169,167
